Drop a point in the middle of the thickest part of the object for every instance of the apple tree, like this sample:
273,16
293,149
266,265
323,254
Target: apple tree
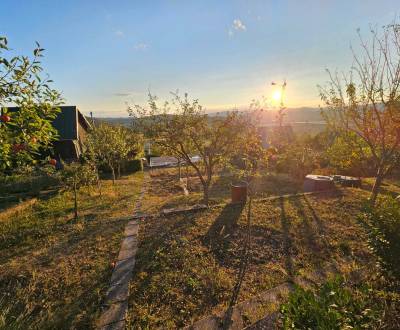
28,132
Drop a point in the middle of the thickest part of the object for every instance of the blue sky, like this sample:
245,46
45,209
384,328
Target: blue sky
102,54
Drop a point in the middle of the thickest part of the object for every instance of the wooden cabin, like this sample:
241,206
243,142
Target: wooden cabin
72,127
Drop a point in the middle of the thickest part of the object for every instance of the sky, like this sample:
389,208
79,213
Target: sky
104,55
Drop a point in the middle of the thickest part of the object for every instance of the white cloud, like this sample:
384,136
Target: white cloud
141,46
238,25
119,33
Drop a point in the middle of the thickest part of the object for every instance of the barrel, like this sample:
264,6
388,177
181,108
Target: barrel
239,192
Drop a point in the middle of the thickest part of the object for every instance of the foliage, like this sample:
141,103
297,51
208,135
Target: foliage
333,306
367,101
182,130
297,159
27,132
349,154
111,145
131,166
250,155
76,175
383,224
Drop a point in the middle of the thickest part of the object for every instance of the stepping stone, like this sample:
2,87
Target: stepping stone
116,301
117,293
114,326
123,271
113,313
131,229
128,248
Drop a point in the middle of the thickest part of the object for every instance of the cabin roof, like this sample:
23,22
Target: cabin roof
66,122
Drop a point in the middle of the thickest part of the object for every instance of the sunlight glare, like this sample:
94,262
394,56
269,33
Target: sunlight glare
277,95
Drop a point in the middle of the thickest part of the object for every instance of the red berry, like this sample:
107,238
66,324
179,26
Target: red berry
5,118
18,147
53,162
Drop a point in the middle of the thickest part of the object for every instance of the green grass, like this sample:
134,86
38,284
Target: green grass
187,264
54,270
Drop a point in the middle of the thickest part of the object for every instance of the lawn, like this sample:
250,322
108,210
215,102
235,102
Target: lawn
54,270
187,264
165,190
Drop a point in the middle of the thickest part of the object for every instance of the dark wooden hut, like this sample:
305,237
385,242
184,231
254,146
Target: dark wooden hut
72,127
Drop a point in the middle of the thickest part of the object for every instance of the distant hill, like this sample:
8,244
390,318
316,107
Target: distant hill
294,116
125,121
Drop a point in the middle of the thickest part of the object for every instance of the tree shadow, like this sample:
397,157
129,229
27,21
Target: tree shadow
321,226
219,235
308,231
287,241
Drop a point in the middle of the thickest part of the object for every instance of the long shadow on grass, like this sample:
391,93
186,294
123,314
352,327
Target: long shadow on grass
314,249
322,231
287,241
220,234
307,229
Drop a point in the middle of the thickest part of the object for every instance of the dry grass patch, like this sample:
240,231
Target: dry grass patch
187,264
165,190
54,271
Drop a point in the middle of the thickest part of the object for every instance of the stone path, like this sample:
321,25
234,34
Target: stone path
116,302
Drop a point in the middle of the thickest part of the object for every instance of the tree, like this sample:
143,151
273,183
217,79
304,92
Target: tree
111,145
182,129
350,155
76,175
25,132
366,102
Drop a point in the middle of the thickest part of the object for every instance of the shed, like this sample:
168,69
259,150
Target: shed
72,127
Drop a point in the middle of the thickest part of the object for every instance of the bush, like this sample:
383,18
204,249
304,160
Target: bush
29,180
333,306
132,166
383,225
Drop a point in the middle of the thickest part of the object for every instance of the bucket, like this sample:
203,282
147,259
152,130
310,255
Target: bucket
239,192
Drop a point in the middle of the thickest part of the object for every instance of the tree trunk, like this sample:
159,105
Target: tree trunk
98,181
75,201
119,171
179,170
187,177
377,185
113,174
205,193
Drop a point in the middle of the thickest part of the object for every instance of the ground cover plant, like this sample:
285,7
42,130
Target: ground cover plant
54,270
338,304
372,303
187,263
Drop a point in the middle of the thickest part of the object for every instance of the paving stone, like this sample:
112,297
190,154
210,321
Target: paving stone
117,293
131,229
122,271
116,305
129,243
114,326
113,313
132,222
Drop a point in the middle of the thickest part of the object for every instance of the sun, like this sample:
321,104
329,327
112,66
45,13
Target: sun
277,95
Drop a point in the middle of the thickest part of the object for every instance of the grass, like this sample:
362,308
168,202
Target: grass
165,190
187,264
54,271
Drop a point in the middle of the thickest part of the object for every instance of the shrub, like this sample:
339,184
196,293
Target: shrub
333,306
132,166
383,225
